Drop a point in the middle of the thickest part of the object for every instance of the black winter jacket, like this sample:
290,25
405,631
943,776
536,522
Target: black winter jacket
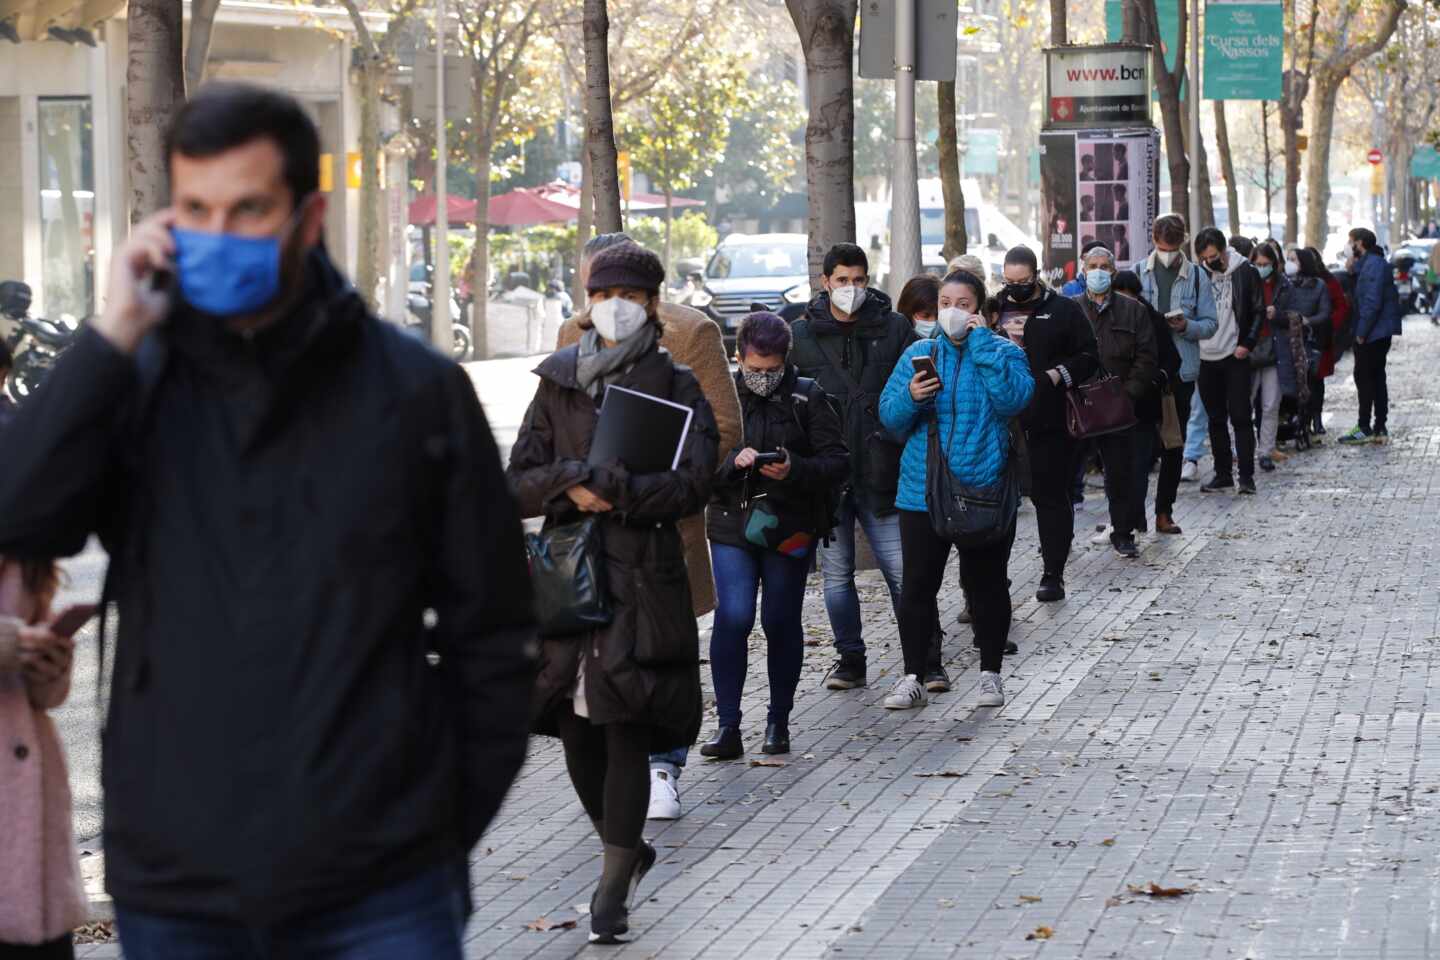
644,668
284,514
868,349
801,422
1167,373
1056,335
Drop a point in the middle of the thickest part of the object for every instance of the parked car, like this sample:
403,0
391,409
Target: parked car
748,271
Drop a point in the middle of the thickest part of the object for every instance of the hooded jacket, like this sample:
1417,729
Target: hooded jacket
298,522
1239,306
852,362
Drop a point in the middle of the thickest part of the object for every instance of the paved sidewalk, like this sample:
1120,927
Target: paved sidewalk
1242,713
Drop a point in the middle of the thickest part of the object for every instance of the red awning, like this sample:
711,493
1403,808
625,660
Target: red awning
422,210
527,207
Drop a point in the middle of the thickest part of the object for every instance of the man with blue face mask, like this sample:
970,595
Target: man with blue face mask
324,661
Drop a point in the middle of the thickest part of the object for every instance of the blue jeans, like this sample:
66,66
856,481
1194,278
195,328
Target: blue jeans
837,569
1197,430
422,918
739,572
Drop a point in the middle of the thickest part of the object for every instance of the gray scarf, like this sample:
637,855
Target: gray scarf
599,365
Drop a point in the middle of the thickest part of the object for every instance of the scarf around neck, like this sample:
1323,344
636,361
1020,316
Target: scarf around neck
599,365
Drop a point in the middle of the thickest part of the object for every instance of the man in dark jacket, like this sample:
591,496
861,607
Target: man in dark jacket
1377,318
1224,380
849,341
325,654
7,406
1062,351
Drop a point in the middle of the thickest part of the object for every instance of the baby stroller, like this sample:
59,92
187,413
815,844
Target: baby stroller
1297,367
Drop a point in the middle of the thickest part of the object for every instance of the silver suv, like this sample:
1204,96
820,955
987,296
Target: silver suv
772,269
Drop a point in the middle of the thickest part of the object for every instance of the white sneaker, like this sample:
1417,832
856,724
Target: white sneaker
992,691
664,797
907,694
1102,535
1189,471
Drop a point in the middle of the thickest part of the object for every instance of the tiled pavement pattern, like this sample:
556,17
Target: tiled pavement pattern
1242,713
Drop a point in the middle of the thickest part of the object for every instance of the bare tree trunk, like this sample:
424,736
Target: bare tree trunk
1058,32
1198,154
155,90
202,24
1173,122
480,261
827,36
669,225
956,242
1268,157
584,224
1317,165
1132,28
599,120
1292,100
368,254
1227,165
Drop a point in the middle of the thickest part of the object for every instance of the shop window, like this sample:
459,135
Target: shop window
67,206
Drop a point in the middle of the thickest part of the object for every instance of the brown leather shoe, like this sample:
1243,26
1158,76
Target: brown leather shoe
1163,524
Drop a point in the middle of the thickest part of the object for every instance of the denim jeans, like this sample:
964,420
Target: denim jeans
837,569
1197,429
740,573
421,918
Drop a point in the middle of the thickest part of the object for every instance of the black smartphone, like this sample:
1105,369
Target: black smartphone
926,366
764,459
70,622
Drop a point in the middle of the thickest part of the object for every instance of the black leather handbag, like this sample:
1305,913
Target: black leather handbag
968,517
567,575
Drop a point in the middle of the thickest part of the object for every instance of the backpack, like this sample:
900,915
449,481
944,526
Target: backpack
827,505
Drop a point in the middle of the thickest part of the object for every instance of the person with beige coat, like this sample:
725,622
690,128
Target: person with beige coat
41,899
694,340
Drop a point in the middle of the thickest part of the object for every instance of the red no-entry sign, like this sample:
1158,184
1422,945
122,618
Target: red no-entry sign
1375,157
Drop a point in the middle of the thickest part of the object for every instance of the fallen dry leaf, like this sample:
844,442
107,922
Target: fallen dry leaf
1155,890
1041,933
1108,842
545,924
767,763
1025,899
942,773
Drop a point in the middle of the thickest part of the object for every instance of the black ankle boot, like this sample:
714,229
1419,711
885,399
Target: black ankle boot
725,746
777,738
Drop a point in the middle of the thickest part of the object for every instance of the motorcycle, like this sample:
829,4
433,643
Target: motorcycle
35,343
417,321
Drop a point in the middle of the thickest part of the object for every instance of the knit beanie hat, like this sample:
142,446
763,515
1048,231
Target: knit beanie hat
626,265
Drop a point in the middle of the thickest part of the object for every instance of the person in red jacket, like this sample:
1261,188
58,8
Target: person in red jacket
1339,316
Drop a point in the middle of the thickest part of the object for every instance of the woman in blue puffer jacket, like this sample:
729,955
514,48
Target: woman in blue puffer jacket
984,379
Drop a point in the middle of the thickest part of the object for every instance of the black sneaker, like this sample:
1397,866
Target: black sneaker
847,674
1052,588
1125,546
1216,484
1010,648
1247,486
936,679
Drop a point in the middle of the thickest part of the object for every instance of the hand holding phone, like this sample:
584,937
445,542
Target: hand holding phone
1176,319
763,459
926,367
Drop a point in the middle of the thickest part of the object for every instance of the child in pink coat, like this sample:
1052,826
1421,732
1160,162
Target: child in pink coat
41,899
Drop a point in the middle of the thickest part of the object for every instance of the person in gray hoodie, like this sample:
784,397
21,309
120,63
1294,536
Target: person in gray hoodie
1172,283
1225,359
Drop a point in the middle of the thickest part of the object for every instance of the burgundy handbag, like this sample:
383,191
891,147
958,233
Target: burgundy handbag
1098,407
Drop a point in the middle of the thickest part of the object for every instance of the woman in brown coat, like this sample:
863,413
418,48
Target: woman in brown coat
617,693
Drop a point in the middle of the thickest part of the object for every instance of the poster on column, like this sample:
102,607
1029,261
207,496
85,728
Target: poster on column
1097,186
1244,45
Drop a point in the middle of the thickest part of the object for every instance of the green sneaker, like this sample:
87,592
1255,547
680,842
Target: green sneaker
1355,437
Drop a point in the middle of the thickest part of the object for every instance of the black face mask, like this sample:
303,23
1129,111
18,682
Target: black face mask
1215,266
1020,292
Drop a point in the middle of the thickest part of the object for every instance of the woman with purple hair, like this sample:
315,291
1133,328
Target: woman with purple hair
770,505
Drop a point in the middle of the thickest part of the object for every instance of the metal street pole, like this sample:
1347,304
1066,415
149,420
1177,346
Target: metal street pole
905,198
440,333
1196,38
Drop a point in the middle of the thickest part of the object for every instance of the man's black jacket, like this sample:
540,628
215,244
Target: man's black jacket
1057,335
297,522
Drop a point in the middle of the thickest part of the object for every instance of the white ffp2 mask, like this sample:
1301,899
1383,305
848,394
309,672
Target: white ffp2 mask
847,299
617,319
955,321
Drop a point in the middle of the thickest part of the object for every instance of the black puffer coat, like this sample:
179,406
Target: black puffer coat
799,419
644,668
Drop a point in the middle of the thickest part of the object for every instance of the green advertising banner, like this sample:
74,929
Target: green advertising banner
1244,47
1166,11
1425,165
983,151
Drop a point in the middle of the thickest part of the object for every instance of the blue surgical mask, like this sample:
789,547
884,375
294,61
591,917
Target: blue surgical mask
227,275
1265,271
925,328
1097,280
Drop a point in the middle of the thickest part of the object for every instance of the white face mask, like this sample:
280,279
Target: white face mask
847,299
1167,257
1292,269
955,321
617,319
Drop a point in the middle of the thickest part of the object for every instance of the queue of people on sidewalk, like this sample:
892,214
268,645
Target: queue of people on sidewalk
299,499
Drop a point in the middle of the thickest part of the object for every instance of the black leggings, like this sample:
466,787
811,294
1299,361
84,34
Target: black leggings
609,765
61,949
984,574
